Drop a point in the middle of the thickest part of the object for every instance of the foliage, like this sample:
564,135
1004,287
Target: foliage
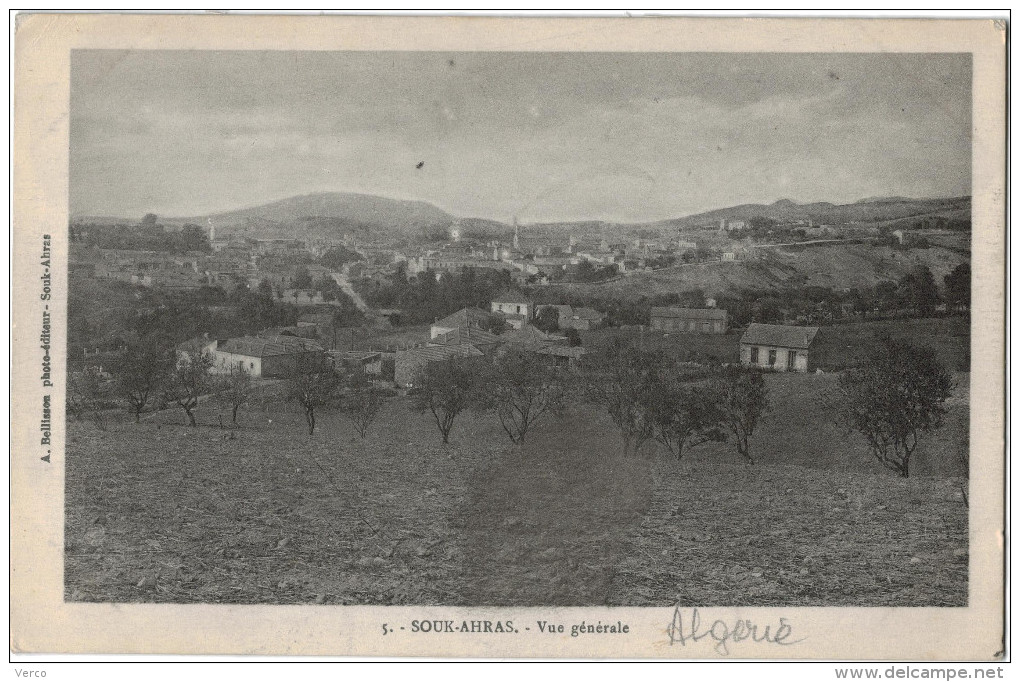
302,279
918,290
422,299
958,287
621,377
84,390
445,389
743,400
686,413
236,390
363,403
338,256
495,324
573,336
520,388
141,372
189,380
894,396
547,319
149,235
314,384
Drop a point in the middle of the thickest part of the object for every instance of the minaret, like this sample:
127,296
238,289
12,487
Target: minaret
212,231
517,234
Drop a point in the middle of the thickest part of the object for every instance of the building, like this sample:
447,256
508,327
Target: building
481,339
304,297
517,308
273,357
408,363
532,338
364,362
778,347
575,318
475,318
698,320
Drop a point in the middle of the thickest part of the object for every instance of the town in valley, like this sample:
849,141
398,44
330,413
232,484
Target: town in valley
677,330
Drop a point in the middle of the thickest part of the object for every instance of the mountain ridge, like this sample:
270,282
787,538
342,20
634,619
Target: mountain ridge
369,215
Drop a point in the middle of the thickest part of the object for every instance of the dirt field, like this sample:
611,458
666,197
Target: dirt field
160,512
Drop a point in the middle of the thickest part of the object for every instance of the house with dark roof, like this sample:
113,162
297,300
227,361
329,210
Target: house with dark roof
694,320
532,338
778,347
517,308
475,318
408,363
272,356
483,340
575,318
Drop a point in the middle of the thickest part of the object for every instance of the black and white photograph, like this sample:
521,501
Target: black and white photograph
517,329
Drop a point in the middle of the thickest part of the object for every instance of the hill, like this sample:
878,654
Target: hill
836,265
329,213
871,210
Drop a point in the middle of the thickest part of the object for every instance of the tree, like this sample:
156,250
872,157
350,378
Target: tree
919,290
194,238
622,377
445,389
686,414
236,390
83,395
744,399
189,380
894,396
302,278
958,287
141,372
520,388
548,319
586,271
573,336
363,404
495,324
336,257
313,383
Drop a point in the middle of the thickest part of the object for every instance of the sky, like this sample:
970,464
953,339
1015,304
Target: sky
627,137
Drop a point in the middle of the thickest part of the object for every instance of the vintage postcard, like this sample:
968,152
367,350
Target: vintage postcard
479,337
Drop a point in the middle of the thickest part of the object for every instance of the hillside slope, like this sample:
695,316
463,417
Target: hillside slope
837,266
329,212
883,209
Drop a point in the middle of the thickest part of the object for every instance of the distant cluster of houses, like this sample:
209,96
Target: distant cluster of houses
277,353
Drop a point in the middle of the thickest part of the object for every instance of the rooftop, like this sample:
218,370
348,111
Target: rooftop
690,313
259,347
438,353
465,317
511,297
783,336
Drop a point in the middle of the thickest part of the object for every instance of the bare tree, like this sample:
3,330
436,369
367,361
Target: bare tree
363,403
314,384
236,390
141,372
189,380
520,388
744,400
896,394
445,389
